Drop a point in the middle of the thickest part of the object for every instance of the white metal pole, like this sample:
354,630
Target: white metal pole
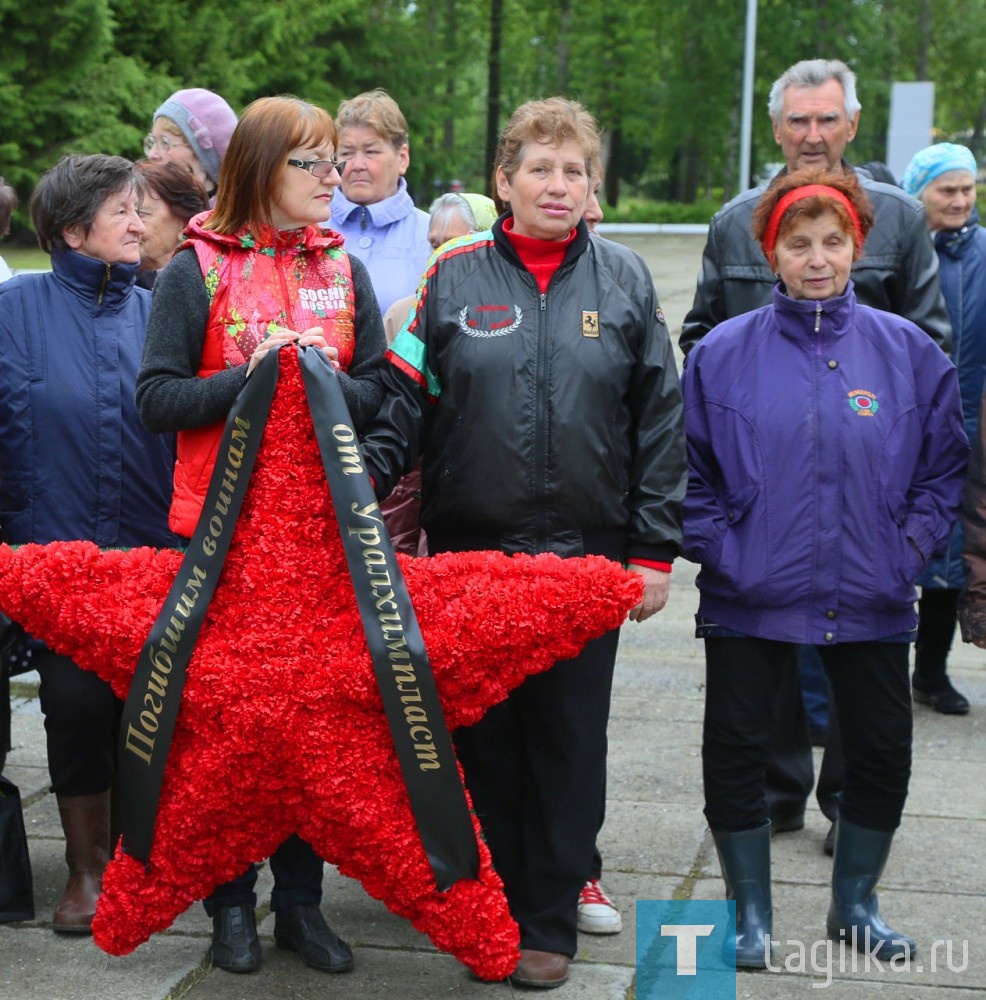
746,121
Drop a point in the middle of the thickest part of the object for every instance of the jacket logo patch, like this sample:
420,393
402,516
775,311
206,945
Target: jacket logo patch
590,323
489,321
864,403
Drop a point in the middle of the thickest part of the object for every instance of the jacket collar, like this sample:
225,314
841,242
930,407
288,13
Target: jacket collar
953,242
97,283
380,213
844,165
506,248
261,237
798,318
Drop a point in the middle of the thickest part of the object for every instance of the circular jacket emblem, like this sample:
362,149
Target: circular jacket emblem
864,403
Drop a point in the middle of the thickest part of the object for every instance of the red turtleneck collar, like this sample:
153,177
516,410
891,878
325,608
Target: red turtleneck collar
541,257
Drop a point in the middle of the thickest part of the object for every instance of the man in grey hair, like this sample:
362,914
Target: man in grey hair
815,114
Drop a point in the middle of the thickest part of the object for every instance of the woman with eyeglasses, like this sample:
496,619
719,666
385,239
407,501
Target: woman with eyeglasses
374,210
258,272
193,127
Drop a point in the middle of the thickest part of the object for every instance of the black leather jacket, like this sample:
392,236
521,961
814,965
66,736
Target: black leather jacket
553,421
897,272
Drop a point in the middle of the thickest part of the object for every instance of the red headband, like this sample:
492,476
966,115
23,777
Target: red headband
786,201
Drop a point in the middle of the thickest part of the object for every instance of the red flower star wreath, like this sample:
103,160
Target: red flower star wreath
281,728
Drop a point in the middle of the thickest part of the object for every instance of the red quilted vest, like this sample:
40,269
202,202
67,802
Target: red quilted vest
257,279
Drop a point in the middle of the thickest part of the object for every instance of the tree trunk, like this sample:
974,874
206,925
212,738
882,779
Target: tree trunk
924,40
685,178
976,139
564,21
451,32
612,181
493,89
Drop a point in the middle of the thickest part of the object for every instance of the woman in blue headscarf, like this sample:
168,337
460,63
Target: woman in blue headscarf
943,178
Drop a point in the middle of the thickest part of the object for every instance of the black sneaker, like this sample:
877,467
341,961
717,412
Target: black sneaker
303,929
235,945
787,820
946,700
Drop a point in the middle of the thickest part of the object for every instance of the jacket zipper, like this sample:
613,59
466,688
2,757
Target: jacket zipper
540,427
288,321
825,481
102,287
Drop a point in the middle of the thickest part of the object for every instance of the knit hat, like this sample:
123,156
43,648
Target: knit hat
206,121
932,162
483,209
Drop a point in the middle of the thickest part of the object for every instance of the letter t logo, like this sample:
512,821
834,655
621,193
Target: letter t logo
686,936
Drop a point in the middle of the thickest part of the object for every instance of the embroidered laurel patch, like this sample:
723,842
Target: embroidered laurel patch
864,403
590,323
490,321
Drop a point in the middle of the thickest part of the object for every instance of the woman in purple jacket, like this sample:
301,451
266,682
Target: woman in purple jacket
826,458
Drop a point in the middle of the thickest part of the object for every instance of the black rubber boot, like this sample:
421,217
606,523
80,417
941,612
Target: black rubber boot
745,861
854,916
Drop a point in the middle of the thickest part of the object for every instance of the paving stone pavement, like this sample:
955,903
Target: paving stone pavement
655,844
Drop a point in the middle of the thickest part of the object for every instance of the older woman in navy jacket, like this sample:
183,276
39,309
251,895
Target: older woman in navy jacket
943,178
75,462
826,455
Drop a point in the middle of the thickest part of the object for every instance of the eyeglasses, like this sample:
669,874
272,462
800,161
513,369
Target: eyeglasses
164,141
319,168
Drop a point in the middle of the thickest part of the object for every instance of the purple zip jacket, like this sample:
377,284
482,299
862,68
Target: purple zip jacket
826,460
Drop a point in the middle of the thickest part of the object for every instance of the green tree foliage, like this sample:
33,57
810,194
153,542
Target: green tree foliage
46,63
663,77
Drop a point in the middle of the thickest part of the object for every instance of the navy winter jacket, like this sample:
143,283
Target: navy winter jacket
962,269
75,462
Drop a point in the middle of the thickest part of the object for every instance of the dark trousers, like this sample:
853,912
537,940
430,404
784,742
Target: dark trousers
790,766
937,614
871,695
535,766
297,872
596,868
82,725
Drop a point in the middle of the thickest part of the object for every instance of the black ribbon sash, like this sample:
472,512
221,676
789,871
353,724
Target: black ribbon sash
149,714
400,661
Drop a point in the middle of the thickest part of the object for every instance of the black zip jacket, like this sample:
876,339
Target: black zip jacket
547,422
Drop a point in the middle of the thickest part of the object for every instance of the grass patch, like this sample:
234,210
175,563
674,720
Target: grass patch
643,210
25,258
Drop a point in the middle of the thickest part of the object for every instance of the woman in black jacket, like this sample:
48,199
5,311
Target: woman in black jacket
538,369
